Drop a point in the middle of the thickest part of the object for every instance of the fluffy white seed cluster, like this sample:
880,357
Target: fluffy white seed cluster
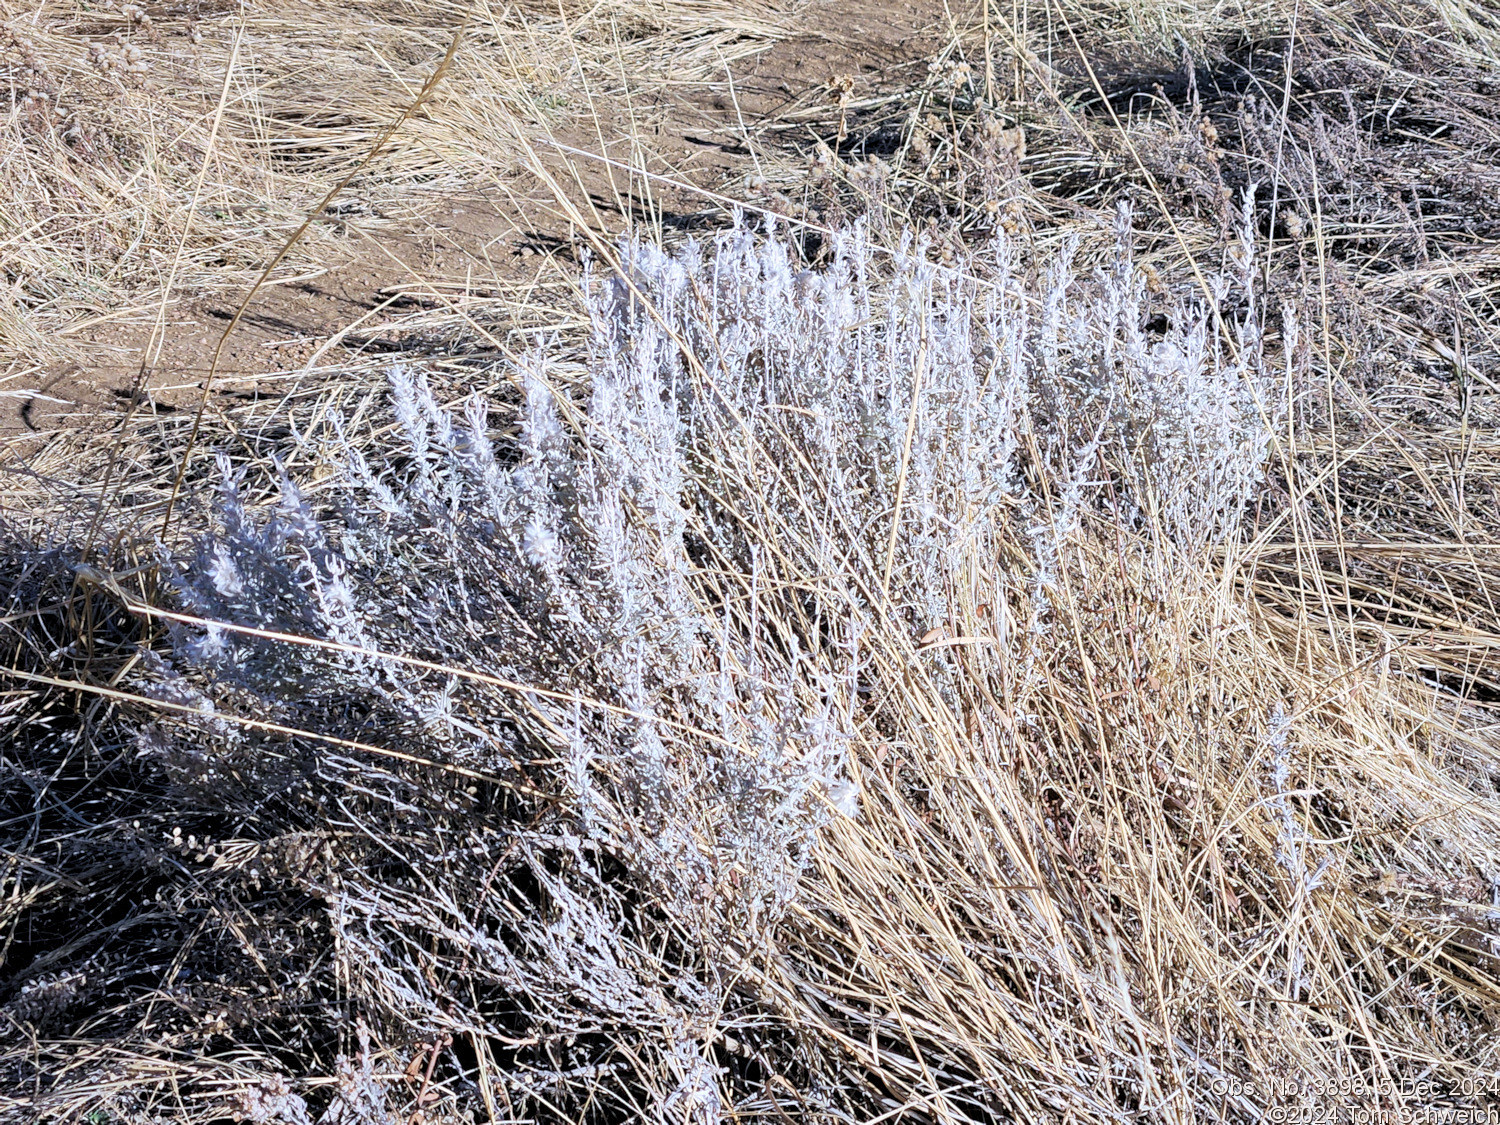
119,59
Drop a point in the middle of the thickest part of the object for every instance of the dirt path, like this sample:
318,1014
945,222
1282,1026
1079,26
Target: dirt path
490,246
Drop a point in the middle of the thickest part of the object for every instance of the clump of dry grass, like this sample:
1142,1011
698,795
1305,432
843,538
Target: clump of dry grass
943,679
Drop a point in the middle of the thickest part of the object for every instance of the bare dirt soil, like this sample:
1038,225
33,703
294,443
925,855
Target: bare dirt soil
492,242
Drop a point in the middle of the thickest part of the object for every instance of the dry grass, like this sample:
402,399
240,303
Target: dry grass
1372,133
160,150
1133,839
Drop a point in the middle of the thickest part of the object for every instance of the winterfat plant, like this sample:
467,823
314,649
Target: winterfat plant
643,614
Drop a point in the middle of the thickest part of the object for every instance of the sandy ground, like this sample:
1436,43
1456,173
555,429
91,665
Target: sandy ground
487,248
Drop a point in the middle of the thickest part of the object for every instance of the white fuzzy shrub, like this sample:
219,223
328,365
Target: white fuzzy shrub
635,556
